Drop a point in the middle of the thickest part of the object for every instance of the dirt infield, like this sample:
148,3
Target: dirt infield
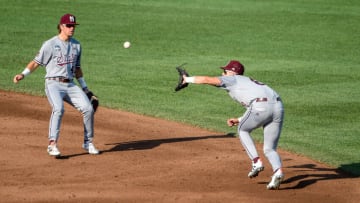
144,159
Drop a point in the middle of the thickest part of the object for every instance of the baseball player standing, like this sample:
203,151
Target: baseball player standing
263,108
61,56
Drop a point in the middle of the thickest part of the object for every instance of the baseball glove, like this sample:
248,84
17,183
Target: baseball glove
93,100
182,72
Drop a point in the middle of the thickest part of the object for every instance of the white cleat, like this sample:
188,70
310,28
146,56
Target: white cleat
91,148
53,150
276,179
256,169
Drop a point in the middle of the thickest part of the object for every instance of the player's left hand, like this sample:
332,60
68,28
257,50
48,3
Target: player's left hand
182,74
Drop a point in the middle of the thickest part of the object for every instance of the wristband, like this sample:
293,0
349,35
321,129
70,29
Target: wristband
26,72
82,82
239,119
190,79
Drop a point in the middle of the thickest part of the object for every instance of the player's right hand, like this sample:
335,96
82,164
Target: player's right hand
232,122
17,78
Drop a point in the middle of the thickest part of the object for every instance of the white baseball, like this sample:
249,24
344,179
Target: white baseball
127,44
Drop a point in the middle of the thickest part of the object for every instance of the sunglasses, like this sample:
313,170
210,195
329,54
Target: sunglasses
69,25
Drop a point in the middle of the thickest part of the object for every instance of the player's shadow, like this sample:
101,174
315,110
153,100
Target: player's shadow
150,144
71,155
313,174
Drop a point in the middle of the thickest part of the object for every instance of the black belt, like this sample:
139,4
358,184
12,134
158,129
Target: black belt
261,99
265,99
60,79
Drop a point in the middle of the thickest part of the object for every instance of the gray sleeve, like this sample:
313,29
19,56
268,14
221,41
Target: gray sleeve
227,81
44,55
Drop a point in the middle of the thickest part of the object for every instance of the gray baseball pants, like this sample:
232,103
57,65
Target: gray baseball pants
269,115
57,92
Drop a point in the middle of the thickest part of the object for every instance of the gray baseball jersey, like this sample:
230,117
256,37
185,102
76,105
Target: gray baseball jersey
244,89
60,58
264,108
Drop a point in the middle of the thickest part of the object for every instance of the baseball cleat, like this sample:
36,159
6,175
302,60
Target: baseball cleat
256,169
90,147
53,150
275,180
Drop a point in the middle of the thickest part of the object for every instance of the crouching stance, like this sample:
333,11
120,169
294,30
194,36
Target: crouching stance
264,108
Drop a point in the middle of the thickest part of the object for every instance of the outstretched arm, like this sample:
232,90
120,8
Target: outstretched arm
215,81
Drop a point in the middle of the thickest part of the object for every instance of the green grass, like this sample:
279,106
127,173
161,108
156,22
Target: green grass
305,49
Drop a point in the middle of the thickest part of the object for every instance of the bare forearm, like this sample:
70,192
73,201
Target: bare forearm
31,67
81,80
78,73
203,80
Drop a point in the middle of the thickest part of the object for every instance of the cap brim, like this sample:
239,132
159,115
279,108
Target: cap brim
70,23
225,68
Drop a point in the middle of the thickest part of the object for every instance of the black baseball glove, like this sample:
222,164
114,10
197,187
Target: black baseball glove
93,100
182,72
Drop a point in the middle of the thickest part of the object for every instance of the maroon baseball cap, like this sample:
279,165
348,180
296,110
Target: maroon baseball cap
234,66
68,19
